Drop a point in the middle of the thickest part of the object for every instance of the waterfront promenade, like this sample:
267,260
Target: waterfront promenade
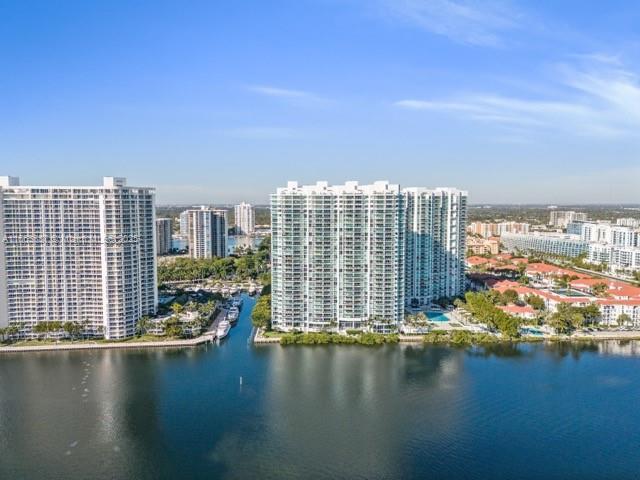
208,336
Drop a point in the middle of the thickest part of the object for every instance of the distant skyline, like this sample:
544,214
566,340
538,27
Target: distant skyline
222,102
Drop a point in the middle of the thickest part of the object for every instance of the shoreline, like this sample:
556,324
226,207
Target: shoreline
180,343
259,339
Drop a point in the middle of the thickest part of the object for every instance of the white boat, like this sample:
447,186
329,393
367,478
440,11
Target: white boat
223,329
233,314
237,303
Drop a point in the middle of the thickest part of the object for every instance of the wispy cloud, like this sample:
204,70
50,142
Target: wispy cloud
262,133
601,101
298,97
478,23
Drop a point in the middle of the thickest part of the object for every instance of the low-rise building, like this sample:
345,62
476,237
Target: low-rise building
482,246
522,311
618,259
551,243
618,299
495,229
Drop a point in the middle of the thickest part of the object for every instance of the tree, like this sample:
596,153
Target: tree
72,329
261,314
177,308
590,312
623,319
12,330
536,302
421,319
566,318
173,328
143,324
599,289
510,296
481,305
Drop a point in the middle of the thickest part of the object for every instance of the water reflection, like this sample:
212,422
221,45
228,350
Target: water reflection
323,412
342,411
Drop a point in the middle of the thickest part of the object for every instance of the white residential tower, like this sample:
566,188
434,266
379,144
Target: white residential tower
77,254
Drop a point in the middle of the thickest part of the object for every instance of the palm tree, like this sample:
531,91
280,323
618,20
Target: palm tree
142,326
177,308
421,319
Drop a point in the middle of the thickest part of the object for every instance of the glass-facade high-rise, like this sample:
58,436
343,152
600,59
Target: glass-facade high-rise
352,256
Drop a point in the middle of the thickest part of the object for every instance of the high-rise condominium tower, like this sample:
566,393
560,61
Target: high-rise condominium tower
207,232
353,256
77,254
435,244
163,235
244,219
561,218
184,223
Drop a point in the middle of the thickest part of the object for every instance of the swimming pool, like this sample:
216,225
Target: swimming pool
531,331
569,292
437,317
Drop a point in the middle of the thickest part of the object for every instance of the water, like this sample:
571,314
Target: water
526,412
232,242
437,317
178,243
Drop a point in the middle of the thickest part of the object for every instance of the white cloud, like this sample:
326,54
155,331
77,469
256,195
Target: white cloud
297,97
474,23
279,92
598,101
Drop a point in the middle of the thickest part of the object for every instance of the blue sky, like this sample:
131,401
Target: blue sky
222,101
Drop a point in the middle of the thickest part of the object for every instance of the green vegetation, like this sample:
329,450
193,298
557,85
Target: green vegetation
568,262
459,338
326,338
482,305
564,281
174,327
261,314
6,332
417,320
250,265
568,318
535,302
623,319
599,289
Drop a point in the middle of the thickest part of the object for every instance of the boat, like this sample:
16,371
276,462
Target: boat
233,314
236,302
223,329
